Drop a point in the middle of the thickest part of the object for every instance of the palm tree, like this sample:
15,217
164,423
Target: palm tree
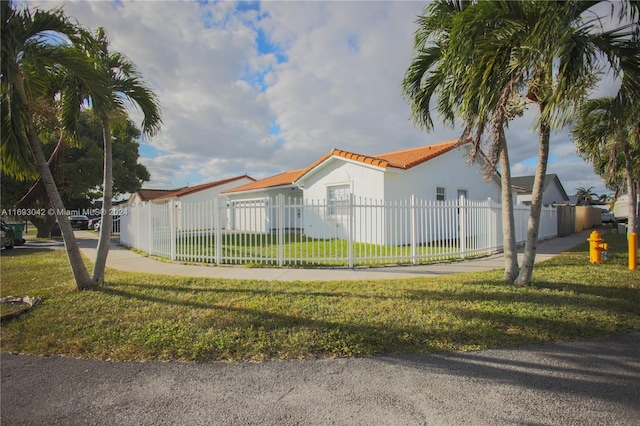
31,63
565,45
586,194
442,67
606,129
553,46
549,48
124,85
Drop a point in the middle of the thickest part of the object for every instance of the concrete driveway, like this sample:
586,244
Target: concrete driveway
593,382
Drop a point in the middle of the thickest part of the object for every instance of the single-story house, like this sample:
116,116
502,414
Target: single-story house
193,205
202,192
143,196
341,180
554,192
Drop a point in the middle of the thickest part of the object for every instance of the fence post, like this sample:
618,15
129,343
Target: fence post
217,236
147,208
414,231
462,219
490,222
489,241
350,236
172,228
280,229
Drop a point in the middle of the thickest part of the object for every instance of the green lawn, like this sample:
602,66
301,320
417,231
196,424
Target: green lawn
154,317
300,250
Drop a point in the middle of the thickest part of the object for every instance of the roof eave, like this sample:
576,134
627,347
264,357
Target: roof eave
332,158
263,189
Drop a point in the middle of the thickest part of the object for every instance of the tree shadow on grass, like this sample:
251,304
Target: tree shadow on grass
454,326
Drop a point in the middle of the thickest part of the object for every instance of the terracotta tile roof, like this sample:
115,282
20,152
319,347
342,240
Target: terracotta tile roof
408,158
360,158
191,189
404,159
152,194
282,179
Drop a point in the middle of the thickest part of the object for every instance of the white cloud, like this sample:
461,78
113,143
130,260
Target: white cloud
338,87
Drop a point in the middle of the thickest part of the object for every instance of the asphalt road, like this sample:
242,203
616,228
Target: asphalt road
594,382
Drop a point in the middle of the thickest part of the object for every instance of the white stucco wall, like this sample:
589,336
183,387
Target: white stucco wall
391,186
364,181
245,213
553,195
449,171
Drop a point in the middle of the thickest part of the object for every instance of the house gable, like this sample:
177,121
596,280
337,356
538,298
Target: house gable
553,191
145,195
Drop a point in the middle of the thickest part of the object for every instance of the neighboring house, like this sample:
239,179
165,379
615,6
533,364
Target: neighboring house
554,192
193,205
203,192
145,195
429,173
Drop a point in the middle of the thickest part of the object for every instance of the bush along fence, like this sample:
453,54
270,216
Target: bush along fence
353,232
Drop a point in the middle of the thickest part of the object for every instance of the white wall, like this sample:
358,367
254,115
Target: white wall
366,182
553,195
245,208
449,171
213,192
391,186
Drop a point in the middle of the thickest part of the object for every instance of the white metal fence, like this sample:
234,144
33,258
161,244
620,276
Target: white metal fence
292,232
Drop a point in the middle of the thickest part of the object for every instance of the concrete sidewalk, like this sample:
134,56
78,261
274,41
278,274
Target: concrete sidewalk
124,259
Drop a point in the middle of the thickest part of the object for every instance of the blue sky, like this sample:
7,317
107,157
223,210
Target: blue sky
263,87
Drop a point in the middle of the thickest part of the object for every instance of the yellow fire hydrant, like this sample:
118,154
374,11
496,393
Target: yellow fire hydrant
597,247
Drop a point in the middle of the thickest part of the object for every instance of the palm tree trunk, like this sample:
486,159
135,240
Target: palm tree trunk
508,223
80,273
531,245
106,222
43,225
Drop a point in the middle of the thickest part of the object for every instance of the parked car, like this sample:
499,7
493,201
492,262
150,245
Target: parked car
96,225
93,220
607,216
79,222
8,239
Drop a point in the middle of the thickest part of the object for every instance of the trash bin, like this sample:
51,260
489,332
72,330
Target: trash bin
622,228
17,233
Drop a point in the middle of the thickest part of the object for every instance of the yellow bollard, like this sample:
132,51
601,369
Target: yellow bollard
633,250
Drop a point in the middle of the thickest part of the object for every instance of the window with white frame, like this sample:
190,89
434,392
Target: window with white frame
440,193
338,196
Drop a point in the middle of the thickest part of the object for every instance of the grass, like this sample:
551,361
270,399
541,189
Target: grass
155,317
303,251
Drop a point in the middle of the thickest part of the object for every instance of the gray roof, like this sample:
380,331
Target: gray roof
526,182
